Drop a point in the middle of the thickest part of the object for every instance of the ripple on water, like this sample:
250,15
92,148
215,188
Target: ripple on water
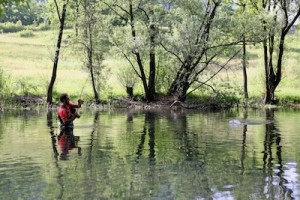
17,175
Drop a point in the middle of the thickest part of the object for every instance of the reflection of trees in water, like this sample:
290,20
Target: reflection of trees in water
54,147
149,127
272,136
243,148
95,122
194,160
89,172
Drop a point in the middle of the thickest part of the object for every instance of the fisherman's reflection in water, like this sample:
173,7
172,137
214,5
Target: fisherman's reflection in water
68,142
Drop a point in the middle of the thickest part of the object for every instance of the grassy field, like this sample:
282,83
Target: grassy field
27,62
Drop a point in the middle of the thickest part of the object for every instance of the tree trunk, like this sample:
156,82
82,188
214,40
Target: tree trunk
273,74
246,96
187,73
77,16
181,84
129,91
90,51
152,64
152,72
148,94
56,57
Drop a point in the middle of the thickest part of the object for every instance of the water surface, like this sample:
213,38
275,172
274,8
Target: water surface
173,155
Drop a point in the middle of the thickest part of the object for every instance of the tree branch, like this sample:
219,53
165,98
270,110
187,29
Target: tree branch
171,52
57,11
117,13
127,58
221,67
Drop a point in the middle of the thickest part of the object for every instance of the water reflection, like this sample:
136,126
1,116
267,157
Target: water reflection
273,138
153,156
52,134
59,176
243,148
66,141
92,136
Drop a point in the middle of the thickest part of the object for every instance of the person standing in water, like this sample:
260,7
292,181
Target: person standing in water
67,114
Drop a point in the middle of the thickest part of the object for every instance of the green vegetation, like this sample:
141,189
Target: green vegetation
187,50
28,62
26,67
26,33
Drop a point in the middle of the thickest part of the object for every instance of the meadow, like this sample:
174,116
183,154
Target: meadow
26,63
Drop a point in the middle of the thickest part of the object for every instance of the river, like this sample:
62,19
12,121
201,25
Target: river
150,155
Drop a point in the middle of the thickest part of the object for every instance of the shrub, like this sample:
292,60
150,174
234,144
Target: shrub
9,27
43,27
26,33
4,85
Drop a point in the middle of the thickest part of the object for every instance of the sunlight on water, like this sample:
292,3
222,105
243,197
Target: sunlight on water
225,155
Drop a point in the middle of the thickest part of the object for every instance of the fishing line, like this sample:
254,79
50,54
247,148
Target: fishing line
83,86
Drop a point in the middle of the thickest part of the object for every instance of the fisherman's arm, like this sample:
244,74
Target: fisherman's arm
68,120
78,105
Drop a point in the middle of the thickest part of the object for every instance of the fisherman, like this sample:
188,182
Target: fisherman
67,114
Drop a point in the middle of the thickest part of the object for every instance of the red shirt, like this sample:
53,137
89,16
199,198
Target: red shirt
65,112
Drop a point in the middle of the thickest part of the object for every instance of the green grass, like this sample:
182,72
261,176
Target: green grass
28,63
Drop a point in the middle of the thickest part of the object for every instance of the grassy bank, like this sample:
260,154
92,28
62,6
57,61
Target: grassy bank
26,63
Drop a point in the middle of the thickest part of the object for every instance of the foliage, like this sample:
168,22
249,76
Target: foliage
182,47
10,27
127,77
90,41
28,13
4,85
26,33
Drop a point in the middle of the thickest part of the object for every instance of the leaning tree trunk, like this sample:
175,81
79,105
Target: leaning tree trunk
187,72
56,57
181,84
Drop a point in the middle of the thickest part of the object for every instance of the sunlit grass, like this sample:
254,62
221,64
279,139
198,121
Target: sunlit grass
29,61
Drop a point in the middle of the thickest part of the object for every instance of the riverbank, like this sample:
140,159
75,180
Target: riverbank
161,103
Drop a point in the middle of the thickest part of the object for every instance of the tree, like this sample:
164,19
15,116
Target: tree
61,18
89,20
201,39
246,28
90,40
28,13
141,20
4,3
282,15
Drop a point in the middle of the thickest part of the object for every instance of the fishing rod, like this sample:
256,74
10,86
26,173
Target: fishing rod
79,100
